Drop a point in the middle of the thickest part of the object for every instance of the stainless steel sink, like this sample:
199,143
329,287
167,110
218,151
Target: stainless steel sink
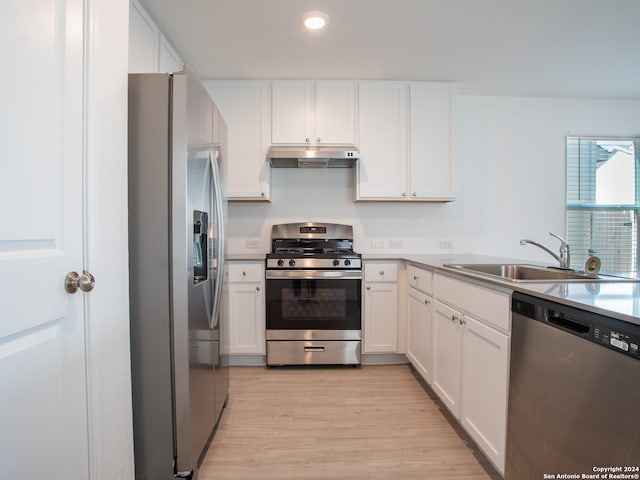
516,272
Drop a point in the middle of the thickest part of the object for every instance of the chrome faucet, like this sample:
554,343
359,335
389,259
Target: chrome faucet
563,258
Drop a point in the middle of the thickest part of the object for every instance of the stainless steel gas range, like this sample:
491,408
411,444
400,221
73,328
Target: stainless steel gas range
313,295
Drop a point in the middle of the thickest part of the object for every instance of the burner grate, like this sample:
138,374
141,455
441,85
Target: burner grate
289,250
339,251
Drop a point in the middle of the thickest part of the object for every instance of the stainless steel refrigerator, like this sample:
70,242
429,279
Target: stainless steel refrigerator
177,138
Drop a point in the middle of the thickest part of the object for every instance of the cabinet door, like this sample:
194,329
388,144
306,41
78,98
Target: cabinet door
485,384
143,40
169,60
447,356
335,106
382,115
380,317
244,105
420,279
246,323
292,112
419,334
431,152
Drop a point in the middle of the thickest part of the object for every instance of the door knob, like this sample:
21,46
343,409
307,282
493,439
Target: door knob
73,282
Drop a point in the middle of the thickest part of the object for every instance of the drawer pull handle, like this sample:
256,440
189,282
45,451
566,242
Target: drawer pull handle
314,348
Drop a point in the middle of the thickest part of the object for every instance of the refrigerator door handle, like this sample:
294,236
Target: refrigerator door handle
220,254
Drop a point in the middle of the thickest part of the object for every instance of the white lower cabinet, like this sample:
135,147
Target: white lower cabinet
380,328
485,380
246,309
447,355
471,327
419,333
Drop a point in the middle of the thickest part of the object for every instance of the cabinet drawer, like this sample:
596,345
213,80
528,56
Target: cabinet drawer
381,272
489,305
246,272
420,279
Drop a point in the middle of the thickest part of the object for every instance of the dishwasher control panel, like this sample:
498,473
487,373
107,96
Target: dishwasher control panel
617,339
611,333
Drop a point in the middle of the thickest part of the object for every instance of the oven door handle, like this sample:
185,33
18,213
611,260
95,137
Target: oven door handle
311,274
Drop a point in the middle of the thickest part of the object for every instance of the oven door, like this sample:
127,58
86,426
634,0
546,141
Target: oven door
313,300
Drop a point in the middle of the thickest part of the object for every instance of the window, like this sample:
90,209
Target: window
603,199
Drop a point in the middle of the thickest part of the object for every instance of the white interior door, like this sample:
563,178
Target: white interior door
43,405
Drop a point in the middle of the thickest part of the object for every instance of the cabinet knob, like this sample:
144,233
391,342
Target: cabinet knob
404,194
258,288
308,140
368,287
262,194
244,274
415,277
427,302
318,140
462,321
381,272
414,194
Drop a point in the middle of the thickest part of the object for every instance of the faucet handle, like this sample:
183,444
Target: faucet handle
559,238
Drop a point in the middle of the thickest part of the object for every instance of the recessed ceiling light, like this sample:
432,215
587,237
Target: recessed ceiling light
315,20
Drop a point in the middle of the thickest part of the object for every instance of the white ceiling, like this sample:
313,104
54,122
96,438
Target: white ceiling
576,48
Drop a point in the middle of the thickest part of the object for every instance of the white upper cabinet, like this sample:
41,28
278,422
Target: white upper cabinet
169,60
244,105
313,112
405,131
430,141
382,115
143,40
149,50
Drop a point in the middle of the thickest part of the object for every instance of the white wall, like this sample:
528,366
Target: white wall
510,178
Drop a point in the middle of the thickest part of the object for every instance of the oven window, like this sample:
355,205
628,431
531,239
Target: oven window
306,300
328,304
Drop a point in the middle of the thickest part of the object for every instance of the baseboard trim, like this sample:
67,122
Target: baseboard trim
383,359
245,361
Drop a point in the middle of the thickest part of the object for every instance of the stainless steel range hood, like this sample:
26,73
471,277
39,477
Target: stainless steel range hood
313,157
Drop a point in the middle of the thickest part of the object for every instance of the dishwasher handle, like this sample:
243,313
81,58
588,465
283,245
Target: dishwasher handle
561,320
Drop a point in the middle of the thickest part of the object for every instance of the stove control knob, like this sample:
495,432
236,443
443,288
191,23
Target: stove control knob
292,262
336,262
347,262
280,262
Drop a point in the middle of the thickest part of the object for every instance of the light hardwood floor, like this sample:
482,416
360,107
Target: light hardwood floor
370,422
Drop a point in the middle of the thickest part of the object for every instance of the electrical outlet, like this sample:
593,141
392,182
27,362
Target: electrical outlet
252,243
378,244
396,243
446,244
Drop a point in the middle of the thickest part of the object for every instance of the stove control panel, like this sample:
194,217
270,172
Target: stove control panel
315,263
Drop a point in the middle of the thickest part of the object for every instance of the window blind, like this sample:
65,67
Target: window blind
608,230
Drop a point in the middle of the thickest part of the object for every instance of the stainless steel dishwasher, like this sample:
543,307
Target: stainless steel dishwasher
574,392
